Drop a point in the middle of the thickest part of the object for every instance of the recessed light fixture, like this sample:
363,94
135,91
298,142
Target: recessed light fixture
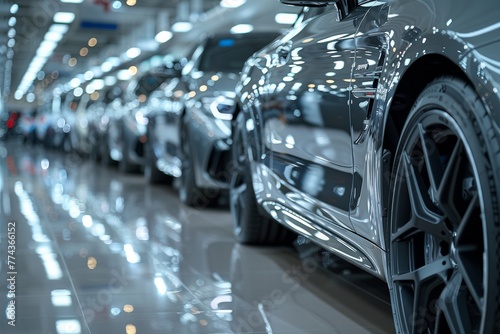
59,28
53,36
241,29
64,17
285,18
133,53
72,1
14,8
163,36
84,52
232,3
182,26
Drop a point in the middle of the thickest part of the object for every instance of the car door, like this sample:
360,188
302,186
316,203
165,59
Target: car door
372,44
307,121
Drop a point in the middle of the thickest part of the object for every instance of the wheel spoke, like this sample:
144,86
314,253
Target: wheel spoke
428,271
470,255
419,302
432,159
449,183
423,219
453,305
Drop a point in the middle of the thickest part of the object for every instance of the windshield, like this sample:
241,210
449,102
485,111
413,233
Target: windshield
229,54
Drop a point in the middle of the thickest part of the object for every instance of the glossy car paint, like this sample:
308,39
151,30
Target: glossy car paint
164,111
316,104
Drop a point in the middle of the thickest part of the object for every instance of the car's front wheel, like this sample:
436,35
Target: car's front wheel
189,193
444,220
249,226
151,173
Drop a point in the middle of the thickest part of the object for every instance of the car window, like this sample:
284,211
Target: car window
229,54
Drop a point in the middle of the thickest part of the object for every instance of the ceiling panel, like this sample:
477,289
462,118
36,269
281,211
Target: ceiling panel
116,29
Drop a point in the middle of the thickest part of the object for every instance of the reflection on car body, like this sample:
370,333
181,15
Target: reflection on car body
354,130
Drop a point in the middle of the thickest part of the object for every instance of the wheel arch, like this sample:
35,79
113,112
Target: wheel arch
414,80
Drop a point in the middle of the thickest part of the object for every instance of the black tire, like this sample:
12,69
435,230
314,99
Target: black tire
151,173
444,220
249,226
125,165
189,193
105,151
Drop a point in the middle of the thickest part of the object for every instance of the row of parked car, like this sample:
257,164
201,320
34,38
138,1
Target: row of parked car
370,128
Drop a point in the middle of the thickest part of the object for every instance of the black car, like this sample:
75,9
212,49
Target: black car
372,128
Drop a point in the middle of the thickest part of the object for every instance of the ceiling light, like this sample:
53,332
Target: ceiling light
92,42
163,36
72,1
84,52
75,82
133,53
53,36
132,70
90,89
12,21
64,17
285,18
48,45
59,28
182,27
88,75
106,66
11,43
241,29
98,84
131,2
11,33
14,8
232,3
123,75
110,80
117,4
78,92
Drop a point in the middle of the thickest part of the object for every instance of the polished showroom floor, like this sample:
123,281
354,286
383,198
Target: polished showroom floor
97,251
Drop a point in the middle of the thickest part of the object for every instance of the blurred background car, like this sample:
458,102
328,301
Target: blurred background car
127,128
9,122
97,114
162,159
198,137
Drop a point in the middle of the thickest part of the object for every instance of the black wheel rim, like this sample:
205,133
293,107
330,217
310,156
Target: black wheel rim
238,186
438,245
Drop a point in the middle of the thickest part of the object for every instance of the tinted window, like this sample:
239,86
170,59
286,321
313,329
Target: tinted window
229,54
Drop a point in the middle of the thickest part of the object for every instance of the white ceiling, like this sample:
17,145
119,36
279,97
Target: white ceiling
116,30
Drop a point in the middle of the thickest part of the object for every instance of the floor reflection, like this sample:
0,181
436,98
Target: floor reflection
98,251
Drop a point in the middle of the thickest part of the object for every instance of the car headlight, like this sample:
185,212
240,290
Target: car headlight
220,107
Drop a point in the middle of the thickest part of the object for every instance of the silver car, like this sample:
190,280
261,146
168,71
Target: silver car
198,140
